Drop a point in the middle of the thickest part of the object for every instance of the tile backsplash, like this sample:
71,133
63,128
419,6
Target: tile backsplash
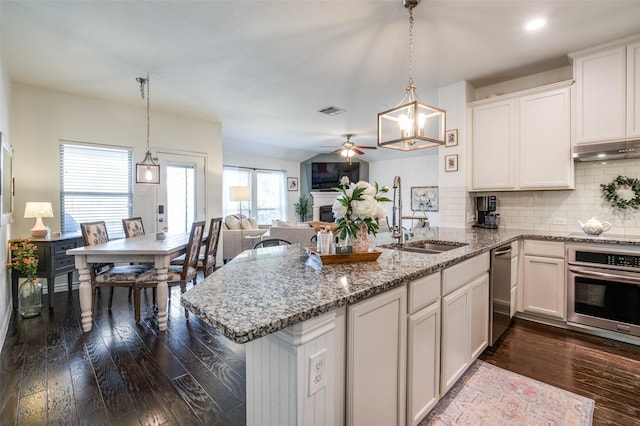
561,210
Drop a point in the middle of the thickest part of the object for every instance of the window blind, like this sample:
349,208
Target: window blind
96,183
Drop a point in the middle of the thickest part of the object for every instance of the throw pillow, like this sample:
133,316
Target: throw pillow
232,222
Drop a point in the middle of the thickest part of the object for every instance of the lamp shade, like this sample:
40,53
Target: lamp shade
38,210
239,193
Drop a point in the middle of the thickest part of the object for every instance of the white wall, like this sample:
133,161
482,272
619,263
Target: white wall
292,169
415,170
41,118
5,287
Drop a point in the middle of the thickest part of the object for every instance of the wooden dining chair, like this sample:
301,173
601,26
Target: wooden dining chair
133,227
106,274
208,254
177,274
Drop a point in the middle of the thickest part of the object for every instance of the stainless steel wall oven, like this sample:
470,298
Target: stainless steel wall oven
603,287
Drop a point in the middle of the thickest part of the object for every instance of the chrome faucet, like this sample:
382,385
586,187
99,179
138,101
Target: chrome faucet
396,227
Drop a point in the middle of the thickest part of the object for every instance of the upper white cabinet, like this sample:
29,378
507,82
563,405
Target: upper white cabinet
607,103
522,141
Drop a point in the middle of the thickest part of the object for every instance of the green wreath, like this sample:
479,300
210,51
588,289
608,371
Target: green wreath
610,192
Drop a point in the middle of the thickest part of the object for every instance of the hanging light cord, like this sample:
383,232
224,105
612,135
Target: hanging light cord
411,86
145,82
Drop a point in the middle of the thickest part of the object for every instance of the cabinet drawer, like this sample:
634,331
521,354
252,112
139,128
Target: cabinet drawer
544,248
460,274
63,264
423,292
61,247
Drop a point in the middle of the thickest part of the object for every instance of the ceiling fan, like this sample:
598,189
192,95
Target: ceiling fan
349,149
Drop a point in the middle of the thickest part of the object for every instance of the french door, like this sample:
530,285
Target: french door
181,194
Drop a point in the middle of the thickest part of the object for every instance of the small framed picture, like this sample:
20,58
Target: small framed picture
451,163
451,137
292,183
424,198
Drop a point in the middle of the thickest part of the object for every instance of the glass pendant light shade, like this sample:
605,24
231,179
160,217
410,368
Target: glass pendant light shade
411,126
148,171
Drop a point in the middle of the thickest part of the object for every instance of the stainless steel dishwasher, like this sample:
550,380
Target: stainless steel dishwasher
500,292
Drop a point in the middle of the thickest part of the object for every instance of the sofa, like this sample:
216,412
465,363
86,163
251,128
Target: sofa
296,232
239,233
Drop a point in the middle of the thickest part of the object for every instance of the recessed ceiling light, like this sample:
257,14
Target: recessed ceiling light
602,155
535,24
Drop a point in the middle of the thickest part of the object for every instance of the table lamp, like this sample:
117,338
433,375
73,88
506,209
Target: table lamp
38,210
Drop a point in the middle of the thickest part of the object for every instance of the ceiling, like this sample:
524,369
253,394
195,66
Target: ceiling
264,68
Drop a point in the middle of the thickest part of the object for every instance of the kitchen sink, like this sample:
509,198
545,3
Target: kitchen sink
429,247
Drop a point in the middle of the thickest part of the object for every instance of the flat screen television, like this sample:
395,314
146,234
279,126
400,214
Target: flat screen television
326,176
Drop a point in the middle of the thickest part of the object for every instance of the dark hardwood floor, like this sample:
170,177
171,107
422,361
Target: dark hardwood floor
604,370
126,374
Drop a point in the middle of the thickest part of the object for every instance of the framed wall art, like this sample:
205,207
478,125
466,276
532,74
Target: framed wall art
292,183
6,180
451,137
451,163
424,198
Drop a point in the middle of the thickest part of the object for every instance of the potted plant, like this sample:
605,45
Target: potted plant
24,260
302,207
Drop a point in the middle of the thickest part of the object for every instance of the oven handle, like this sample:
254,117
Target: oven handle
604,275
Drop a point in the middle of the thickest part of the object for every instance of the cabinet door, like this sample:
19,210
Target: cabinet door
376,359
600,96
455,337
478,316
633,90
423,362
544,286
493,145
545,140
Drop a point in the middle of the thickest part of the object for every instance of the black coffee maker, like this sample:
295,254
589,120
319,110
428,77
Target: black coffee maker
485,212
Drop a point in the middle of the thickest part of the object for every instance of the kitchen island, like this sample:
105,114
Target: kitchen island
290,311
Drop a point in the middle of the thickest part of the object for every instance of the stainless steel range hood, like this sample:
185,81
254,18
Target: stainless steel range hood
607,151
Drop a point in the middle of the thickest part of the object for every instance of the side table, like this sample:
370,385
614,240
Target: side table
52,261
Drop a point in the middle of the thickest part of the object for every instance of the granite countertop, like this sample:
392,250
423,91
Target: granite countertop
266,290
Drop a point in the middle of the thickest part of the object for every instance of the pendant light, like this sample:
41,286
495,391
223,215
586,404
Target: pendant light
148,171
411,125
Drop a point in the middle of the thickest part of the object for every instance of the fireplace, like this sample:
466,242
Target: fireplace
325,201
326,214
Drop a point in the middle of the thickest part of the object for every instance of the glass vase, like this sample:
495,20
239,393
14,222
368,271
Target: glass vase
360,243
29,298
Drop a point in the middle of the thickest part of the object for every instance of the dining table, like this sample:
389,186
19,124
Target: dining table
155,249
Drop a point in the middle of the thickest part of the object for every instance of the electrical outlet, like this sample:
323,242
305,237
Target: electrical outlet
559,220
317,372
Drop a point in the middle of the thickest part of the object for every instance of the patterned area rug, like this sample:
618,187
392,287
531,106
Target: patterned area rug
489,395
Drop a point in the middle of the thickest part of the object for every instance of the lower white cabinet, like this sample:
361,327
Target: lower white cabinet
465,329
376,359
423,354
544,277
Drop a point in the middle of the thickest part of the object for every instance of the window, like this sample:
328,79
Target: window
96,183
181,196
268,189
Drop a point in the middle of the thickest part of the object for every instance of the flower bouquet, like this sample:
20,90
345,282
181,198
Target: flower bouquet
24,260
358,209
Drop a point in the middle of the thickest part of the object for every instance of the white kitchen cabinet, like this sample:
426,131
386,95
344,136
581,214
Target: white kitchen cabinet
465,317
376,359
545,140
522,141
544,272
423,354
493,152
607,95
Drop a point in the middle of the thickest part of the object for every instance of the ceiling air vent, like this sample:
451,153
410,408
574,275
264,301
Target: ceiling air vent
332,110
